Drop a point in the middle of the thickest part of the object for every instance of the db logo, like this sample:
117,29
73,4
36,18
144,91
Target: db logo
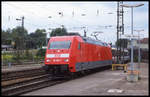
57,55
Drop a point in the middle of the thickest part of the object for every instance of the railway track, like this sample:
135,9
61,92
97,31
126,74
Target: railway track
18,82
31,83
21,74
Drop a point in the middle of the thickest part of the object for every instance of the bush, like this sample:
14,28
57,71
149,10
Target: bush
6,58
17,56
41,53
28,55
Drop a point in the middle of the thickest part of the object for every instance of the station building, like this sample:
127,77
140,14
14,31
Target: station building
143,47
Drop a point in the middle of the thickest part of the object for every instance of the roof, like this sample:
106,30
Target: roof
144,41
6,46
93,41
60,38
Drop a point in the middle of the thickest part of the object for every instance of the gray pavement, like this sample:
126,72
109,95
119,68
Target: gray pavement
100,83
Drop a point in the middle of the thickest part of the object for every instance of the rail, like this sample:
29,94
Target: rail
18,86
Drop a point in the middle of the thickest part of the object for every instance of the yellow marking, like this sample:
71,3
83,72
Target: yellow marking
133,72
121,65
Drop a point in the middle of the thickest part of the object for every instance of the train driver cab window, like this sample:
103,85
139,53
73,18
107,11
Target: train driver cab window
79,45
60,45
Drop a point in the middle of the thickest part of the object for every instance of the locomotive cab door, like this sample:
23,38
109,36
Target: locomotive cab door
82,51
79,50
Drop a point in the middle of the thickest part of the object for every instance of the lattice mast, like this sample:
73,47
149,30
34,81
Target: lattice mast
120,28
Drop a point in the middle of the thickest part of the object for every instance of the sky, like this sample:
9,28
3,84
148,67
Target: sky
76,17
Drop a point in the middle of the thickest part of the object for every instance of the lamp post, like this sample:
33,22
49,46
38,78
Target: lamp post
131,6
139,53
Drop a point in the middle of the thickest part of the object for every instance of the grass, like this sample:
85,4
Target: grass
25,56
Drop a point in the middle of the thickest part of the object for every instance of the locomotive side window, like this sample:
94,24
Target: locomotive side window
60,45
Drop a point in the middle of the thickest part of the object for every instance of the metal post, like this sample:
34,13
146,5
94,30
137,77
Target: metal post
84,33
23,22
123,31
132,76
46,38
24,43
117,29
24,47
139,53
132,65
120,54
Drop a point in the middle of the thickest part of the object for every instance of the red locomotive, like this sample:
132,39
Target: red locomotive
75,54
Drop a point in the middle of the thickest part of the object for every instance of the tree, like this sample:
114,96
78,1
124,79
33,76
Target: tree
30,43
59,32
37,39
40,37
19,35
6,37
72,33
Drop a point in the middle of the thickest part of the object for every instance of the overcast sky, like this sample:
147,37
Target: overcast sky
97,16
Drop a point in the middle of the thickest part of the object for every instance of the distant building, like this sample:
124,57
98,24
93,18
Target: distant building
143,44
6,47
143,48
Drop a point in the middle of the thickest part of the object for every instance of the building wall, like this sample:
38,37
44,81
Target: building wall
136,45
144,50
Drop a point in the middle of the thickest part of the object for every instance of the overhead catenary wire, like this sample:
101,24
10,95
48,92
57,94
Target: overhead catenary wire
36,14
75,21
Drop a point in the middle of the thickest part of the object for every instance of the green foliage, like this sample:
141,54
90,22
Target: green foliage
19,31
41,53
70,34
6,37
37,39
59,32
28,55
20,39
7,58
17,56
19,35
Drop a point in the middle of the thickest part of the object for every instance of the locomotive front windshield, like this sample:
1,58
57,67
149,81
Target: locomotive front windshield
60,45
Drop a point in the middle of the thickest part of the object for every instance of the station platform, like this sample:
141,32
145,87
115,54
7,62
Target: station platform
106,82
14,68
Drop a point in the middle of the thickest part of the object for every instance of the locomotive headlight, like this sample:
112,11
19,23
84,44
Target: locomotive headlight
48,60
66,60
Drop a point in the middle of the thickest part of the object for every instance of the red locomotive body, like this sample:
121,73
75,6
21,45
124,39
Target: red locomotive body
76,53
